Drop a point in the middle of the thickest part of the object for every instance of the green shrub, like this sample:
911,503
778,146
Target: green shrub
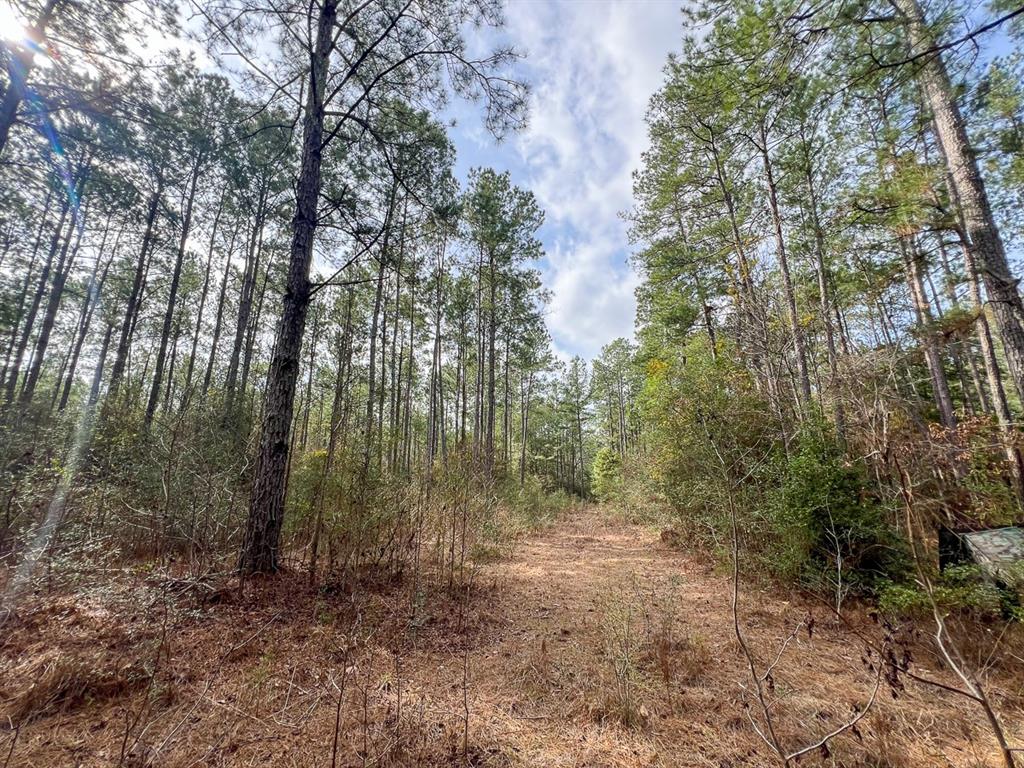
607,474
831,531
962,589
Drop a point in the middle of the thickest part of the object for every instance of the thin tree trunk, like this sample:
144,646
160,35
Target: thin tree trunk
492,332
14,371
202,297
799,348
912,259
94,390
135,296
172,297
65,263
218,321
374,326
23,293
92,300
248,290
314,339
825,299
995,380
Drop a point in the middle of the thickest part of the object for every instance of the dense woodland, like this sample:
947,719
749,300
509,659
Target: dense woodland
829,329
829,345
252,321
156,213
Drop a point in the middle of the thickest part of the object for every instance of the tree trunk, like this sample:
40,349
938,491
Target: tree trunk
14,371
135,296
313,341
94,390
983,240
218,321
492,332
825,298
787,281
23,293
266,506
995,380
332,438
172,297
525,418
912,259
60,277
248,290
202,299
374,327
92,300
255,317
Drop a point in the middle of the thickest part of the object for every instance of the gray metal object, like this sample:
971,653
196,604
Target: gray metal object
999,552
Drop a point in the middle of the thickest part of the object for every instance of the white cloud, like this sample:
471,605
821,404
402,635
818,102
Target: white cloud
593,66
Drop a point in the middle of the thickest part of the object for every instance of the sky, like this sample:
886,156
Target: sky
592,66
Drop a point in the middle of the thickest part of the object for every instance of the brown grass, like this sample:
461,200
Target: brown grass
61,683
594,645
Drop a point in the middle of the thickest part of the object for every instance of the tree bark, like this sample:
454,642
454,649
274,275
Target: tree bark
983,239
121,355
266,505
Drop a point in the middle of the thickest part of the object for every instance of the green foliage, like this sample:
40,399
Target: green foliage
708,426
808,514
832,532
606,474
305,483
962,589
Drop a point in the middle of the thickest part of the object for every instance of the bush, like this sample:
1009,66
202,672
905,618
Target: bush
607,474
832,533
961,589
805,511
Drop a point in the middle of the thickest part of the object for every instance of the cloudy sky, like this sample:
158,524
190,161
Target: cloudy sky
592,65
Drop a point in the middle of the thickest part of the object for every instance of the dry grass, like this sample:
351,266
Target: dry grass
59,683
595,645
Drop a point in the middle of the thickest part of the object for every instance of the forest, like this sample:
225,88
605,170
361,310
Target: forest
296,469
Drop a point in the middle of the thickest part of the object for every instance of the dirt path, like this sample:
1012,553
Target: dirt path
593,645
616,650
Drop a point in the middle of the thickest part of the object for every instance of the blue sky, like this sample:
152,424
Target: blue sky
592,65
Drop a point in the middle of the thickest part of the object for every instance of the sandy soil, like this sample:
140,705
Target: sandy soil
593,645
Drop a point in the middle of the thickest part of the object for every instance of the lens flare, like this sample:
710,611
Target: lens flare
11,26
